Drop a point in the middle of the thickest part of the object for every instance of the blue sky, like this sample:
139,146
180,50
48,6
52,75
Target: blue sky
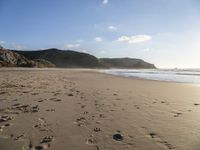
163,32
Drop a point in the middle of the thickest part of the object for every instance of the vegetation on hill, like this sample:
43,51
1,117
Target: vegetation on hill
131,63
65,59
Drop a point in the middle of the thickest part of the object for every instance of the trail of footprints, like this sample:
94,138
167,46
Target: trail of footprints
96,118
41,126
17,108
159,139
9,113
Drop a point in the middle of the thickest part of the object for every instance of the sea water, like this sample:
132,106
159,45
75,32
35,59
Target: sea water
170,75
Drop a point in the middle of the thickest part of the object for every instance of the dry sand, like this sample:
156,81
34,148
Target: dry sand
58,109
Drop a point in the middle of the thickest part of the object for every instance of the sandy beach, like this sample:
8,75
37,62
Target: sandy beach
71,109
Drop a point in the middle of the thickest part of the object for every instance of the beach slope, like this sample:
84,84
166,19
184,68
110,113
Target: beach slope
60,109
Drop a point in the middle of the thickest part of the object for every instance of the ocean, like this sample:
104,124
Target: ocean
168,75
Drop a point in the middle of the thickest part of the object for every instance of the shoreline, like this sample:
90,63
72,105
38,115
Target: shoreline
92,70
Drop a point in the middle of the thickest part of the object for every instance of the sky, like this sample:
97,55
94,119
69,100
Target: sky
163,32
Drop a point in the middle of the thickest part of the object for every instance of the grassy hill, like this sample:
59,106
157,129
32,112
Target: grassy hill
64,59
72,59
128,63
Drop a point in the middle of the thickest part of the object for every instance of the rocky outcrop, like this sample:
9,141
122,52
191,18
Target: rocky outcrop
12,59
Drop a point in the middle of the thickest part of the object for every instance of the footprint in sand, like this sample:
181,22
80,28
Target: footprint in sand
34,93
16,104
158,139
47,139
4,126
5,118
35,109
50,110
136,106
44,143
18,137
97,129
102,116
40,101
177,114
25,108
57,100
83,106
85,112
40,147
153,135
196,104
56,94
114,94
42,125
80,121
91,140
15,100
52,99
26,92
70,94
118,137
7,125
3,92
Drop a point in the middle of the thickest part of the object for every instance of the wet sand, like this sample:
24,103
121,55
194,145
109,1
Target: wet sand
71,109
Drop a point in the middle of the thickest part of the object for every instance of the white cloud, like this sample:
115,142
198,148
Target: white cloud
13,45
134,39
17,46
2,42
72,45
112,28
146,50
102,52
79,41
105,2
42,48
98,39
84,51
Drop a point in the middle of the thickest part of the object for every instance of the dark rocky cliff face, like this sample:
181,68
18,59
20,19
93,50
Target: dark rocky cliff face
12,59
